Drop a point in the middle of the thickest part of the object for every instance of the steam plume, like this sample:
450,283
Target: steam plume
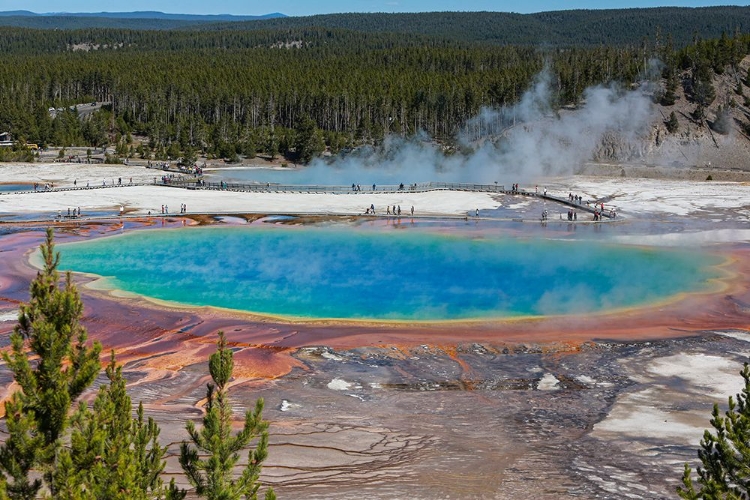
511,144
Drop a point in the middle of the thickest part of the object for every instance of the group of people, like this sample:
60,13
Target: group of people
76,212
401,187
598,214
165,209
168,179
164,165
389,210
575,198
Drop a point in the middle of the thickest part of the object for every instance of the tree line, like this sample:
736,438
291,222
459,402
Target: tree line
621,27
298,92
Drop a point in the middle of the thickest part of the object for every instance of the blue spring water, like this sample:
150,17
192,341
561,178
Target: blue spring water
405,275
7,188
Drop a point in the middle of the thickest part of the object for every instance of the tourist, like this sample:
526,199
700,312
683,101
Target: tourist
412,209
399,209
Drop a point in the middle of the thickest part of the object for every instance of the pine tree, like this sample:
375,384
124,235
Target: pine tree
19,453
213,476
112,455
672,124
309,141
37,415
725,454
670,97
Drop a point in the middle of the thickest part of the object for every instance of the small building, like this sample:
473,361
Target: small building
6,139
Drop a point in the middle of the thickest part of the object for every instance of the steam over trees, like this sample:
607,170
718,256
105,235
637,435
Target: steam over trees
284,87
296,91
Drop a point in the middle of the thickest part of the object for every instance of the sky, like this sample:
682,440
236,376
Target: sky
312,7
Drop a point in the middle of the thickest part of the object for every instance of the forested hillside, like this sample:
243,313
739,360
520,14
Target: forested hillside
296,92
570,28
560,28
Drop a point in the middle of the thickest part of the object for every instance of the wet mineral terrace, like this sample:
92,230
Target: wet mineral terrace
604,406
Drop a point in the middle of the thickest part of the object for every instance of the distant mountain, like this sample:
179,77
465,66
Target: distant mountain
161,15
17,13
134,20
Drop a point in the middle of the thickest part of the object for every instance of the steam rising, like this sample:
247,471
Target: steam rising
512,144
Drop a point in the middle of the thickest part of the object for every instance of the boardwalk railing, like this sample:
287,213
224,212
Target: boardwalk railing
199,184
308,188
190,183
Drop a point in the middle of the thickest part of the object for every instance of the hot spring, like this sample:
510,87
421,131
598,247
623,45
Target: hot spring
303,272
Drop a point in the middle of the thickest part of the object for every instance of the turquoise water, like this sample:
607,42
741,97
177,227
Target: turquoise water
407,275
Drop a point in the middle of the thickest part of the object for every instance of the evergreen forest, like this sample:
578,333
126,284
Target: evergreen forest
296,91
